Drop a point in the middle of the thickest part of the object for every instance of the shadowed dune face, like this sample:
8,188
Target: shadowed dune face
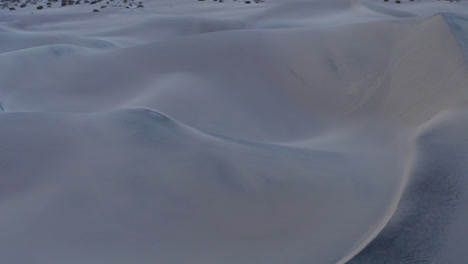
225,133
141,183
137,178
459,27
425,226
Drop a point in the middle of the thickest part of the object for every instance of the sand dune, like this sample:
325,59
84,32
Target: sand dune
218,133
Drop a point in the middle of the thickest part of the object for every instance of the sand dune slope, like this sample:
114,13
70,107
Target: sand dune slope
147,188
225,133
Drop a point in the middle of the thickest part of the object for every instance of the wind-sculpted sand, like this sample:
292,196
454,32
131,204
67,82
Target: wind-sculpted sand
279,132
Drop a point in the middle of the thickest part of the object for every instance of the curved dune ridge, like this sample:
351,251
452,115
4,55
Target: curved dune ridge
223,133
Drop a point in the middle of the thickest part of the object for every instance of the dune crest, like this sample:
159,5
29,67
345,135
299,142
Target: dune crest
209,132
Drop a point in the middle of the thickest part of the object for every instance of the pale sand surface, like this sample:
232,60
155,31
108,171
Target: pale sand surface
281,132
